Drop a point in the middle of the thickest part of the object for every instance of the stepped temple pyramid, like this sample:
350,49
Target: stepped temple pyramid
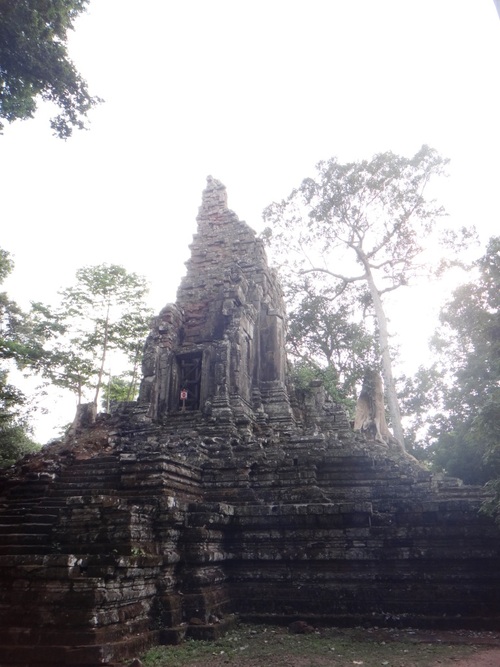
224,493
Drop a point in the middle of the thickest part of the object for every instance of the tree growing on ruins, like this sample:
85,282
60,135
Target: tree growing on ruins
366,223
34,63
104,313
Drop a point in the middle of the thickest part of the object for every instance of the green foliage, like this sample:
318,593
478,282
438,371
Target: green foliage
15,443
22,336
119,388
15,438
103,314
459,397
6,265
325,341
34,62
468,442
420,397
491,506
304,373
20,345
12,319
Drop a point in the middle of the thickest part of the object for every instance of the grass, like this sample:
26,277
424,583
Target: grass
259,646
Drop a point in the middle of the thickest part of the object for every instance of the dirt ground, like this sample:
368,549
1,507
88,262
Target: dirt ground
486,645
266,646
484,658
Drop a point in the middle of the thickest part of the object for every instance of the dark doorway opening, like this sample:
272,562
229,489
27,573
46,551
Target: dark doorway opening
190,381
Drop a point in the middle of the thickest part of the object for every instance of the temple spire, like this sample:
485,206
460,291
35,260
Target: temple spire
214,199
223,340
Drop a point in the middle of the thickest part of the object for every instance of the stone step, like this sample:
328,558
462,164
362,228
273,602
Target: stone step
25,549
27,491
86,655
76,477
26,528
49,516
461,492
37,636
8,503
31,538
361,473
81,487
92,465
53,547
59,495
112,458
53,503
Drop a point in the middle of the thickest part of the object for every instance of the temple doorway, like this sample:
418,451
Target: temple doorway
189,381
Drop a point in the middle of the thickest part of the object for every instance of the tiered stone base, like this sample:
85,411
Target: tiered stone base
132,534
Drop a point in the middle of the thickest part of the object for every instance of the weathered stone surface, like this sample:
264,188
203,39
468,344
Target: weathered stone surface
169,516
223,341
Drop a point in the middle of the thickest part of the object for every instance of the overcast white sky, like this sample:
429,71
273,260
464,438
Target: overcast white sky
254,93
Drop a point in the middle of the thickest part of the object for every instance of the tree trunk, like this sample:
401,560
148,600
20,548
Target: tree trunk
390,388
103,358
131,386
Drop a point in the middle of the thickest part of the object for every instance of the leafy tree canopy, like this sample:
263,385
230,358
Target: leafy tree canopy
364,223
459,396
34,63
21,346
469,340
15,432
324,338
103,313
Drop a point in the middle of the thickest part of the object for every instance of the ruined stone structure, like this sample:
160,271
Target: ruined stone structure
223,491
223,341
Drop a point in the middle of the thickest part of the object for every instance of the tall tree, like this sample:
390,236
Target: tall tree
364,222
104,313
22,347
34,63
466,429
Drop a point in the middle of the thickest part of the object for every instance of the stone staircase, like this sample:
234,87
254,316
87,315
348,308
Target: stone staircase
353,536
79,562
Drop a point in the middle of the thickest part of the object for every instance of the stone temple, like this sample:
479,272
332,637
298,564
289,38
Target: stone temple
223,493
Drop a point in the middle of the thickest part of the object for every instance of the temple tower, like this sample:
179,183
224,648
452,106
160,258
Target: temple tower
218,352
